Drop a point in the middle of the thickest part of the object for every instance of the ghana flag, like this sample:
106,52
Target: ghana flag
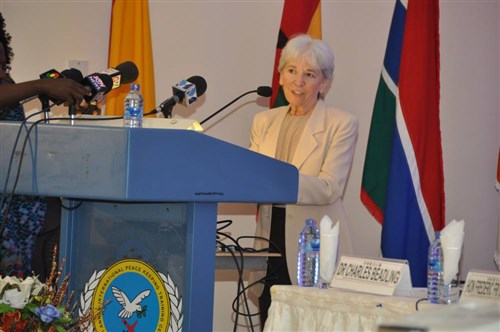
298,17
130,40
403,185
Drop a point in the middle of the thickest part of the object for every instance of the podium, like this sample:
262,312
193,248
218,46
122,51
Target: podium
140,213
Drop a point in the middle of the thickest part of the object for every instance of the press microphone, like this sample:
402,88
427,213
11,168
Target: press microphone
101,83
124,73
186,92
72,73
263,91
98,85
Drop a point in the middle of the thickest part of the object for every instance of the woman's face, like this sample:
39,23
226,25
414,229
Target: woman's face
302,83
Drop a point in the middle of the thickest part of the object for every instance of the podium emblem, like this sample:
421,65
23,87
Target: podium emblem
134,297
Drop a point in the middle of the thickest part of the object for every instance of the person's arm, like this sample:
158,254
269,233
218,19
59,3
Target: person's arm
62,88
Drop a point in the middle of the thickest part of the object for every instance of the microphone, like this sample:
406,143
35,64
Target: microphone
186,92
72,73
101,83
263,91
98,85
124,73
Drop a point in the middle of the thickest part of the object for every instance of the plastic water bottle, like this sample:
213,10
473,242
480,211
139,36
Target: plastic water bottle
308,258
132,116
434,270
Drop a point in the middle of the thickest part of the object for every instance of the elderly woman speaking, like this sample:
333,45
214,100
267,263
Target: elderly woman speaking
317,139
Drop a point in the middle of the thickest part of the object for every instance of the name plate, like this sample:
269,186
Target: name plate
481,285
375,276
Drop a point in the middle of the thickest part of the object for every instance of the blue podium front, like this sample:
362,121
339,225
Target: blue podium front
139,225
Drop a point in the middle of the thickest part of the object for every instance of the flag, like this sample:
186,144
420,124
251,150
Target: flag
403,183
498,172
298,16
130,40
497,251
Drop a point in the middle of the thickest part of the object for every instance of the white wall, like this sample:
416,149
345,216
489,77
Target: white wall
232,45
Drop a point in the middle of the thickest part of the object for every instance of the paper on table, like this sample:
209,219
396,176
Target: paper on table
329,241
452,238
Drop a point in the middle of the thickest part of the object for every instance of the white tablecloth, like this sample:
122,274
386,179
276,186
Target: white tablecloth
295,308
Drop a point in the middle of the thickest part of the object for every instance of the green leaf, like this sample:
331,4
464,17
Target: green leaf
30,307
63,320
4,308
60,329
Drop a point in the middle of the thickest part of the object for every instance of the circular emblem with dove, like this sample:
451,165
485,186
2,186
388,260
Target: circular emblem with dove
134,297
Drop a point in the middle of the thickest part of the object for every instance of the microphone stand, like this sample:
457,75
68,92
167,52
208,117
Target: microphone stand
226,106
45,107
72,113
167,112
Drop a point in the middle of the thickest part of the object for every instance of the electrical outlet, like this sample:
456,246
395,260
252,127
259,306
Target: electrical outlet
81,65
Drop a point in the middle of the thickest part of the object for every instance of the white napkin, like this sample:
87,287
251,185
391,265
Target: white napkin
452,238
329,241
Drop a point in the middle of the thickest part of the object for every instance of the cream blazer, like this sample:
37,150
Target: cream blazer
323,157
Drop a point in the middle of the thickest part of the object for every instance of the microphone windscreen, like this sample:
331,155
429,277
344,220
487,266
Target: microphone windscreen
129,72
200,83
264,91
73,74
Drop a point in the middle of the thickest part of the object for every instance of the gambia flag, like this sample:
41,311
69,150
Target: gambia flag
299,16
130,40
498,171
403,185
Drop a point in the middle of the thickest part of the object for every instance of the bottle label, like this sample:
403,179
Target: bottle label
134,112
314,245
435,265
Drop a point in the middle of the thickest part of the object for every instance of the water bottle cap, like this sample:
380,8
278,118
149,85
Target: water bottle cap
136,87
310,221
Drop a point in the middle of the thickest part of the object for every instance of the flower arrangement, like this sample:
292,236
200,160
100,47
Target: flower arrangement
27,305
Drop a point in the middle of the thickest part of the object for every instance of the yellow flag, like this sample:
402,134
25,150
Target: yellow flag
130,40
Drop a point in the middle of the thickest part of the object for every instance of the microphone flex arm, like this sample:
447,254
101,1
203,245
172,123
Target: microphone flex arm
226,106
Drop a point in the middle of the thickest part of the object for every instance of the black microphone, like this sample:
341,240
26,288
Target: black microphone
72,73
185,92
101,83
124,73
98,85
263,91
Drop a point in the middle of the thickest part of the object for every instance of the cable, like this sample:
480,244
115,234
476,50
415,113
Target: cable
227,223
239,268
69,208
234,248
418,302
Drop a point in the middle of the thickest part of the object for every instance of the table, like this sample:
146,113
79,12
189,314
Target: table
296,308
